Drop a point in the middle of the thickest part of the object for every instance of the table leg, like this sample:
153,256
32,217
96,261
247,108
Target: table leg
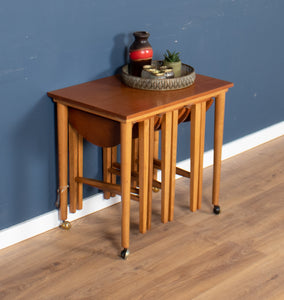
151,174
143,154
201,152
73,168
173,163
62,135
106,167
218,141
166,165
126,145
113,160
135,159
156,156
80,172
194,154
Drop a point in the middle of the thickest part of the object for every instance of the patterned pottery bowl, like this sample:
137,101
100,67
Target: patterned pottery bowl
186,79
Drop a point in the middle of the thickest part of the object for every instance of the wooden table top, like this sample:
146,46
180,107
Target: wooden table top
111,98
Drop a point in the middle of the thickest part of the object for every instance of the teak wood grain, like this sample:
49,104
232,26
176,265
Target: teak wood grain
143,173
109,97
73,169
62,137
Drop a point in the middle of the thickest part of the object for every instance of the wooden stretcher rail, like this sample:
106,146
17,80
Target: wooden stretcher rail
179,171
134,175
110,187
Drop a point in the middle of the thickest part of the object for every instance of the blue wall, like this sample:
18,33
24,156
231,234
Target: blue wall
46,45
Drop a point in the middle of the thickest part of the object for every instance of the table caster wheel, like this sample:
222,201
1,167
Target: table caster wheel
155,189
216,209
65,225
125,253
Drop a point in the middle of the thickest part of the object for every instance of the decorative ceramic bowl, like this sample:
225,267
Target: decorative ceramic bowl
186,79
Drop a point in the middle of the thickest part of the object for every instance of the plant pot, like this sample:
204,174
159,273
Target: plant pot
176,67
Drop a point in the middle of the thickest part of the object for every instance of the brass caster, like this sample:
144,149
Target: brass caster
125,253
155,189
66,225
216,209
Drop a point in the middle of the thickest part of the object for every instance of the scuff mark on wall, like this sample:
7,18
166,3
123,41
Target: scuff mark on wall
10,71
186,25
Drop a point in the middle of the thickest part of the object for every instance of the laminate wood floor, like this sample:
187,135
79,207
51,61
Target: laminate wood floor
235,255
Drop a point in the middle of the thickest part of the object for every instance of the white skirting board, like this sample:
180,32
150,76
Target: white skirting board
240,145
50,220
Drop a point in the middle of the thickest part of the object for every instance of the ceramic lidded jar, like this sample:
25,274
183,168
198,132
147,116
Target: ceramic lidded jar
140,53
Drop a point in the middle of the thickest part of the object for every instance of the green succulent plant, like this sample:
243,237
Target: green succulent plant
172,56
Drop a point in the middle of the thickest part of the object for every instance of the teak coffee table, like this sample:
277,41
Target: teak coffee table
111,99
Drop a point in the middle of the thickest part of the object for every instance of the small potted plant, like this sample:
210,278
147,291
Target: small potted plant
172,59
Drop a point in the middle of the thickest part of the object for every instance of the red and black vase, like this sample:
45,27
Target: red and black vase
140,53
